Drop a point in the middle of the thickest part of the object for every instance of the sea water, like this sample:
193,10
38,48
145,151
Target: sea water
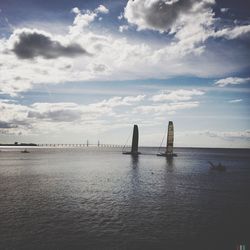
98,198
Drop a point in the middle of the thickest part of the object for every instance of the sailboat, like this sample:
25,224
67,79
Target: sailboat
218,167
135,139
170,142
25,151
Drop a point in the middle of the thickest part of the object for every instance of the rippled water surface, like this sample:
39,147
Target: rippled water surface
101,199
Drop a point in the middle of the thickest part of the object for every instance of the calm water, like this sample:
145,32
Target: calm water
101,199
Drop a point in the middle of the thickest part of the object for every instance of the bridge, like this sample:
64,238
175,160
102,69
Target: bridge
77,145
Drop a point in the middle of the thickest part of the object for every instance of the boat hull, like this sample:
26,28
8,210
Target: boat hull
167,155
131,153
217,168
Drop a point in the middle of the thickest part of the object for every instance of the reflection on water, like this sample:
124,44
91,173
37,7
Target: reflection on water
135,175
170,161
105,200
134,161
170,164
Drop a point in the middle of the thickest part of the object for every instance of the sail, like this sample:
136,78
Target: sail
135,140
170,138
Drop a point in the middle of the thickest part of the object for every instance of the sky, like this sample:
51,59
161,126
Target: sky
72,71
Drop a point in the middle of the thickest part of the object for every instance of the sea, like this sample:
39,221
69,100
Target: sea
98,198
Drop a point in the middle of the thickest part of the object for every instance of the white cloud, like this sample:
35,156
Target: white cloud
233,32
82,21
231,81
102,9
185,55
59,112
143,13
191,23
84,18
26,117
120,17
223,10
123,28
105,114
76,10
170,102
169,108
235,101
108,105
133,99
177,95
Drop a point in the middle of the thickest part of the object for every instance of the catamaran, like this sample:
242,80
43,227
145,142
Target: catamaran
25,151
135,139
218,167
170,142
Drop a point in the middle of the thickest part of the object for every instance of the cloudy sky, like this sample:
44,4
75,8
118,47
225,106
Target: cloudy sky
87,69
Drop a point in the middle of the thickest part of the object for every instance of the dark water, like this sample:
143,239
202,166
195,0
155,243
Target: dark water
101,199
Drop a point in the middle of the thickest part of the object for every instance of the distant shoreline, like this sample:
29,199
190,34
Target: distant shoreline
95,146
18,145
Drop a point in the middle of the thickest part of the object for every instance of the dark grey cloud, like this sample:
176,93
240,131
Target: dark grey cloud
31,44
6,125
160,14
56,115
99,67
14,123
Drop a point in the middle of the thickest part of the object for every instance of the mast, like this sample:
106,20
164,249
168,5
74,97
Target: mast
135,139
170,138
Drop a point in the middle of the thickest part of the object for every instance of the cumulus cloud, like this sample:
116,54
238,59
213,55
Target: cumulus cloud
231,81
116,102
55,113
235,101
170,101
169,108
133,99
15,116
123,28
190,22
185,54
99,68
177,95
28,119
233,32
28,44
102,9
84,18
6,125
161,15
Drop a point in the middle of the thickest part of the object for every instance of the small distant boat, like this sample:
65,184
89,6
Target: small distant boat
25,151
218,167
170,142
135,139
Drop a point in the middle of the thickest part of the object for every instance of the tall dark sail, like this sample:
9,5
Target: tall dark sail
170,138
135,138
